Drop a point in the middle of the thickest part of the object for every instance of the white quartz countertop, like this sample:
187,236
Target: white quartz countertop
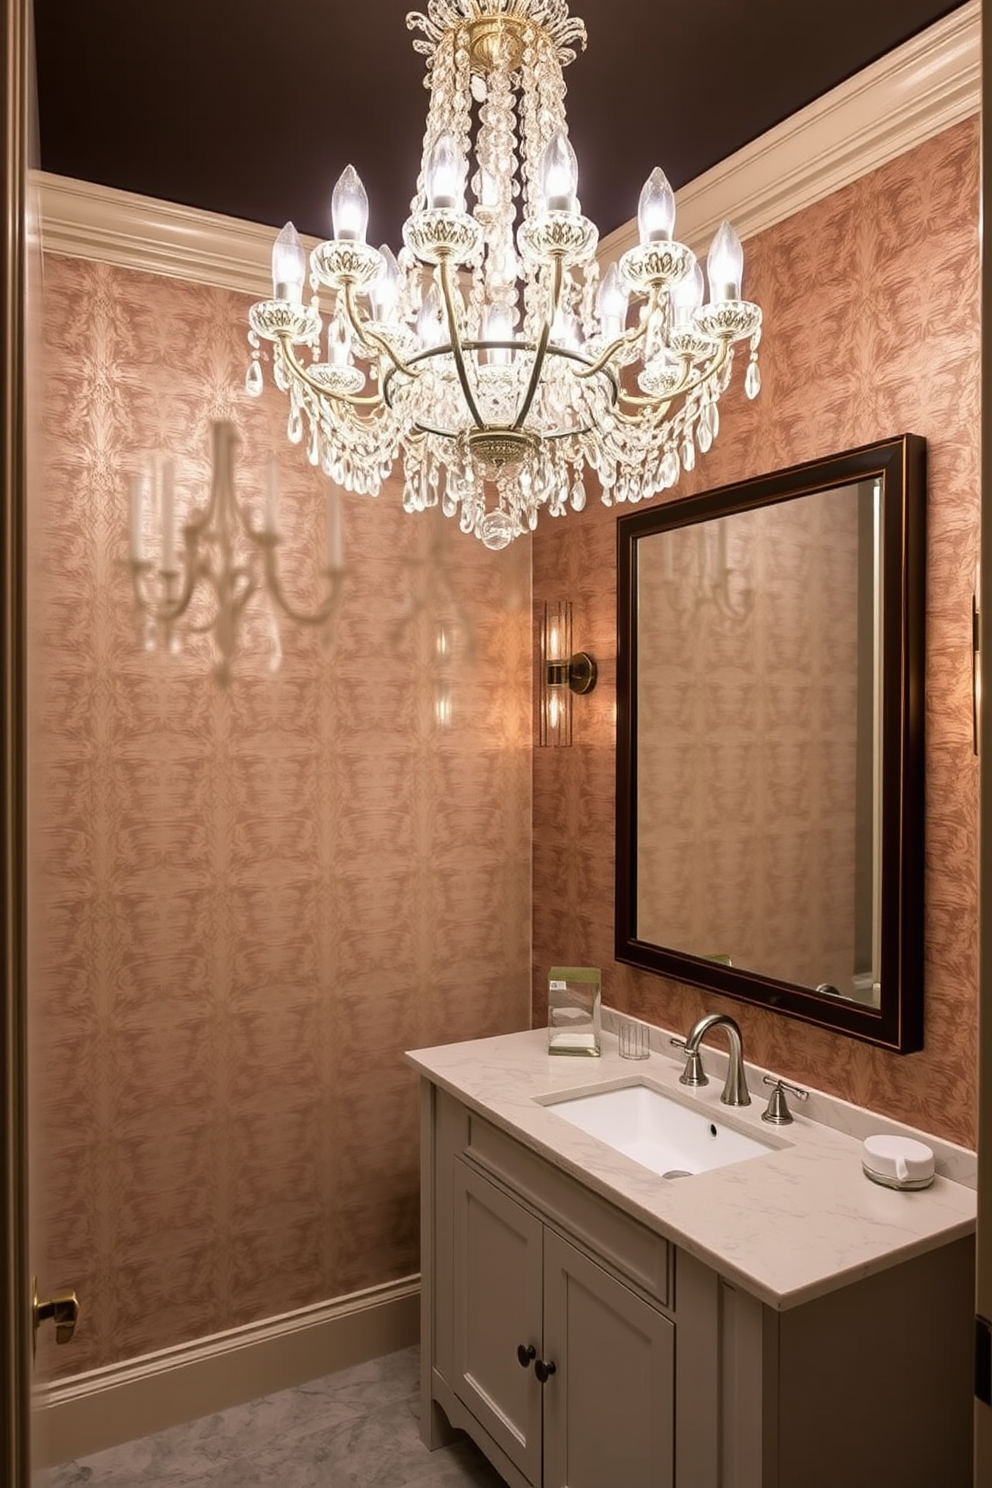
795,1224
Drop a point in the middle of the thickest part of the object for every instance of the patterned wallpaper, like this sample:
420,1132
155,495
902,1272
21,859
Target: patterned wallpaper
246,903
871,303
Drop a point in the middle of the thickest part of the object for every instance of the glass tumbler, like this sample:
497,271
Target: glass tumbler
634,1040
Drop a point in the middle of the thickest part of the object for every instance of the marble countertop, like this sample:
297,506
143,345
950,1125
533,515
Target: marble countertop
795,1224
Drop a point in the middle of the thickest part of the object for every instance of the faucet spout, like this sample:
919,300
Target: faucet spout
735,1091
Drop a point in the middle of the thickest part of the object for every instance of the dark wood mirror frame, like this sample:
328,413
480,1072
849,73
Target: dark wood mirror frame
897,1024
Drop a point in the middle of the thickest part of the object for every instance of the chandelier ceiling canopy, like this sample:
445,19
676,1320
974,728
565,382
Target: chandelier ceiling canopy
490,352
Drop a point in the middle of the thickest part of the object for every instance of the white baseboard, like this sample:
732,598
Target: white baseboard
104,1407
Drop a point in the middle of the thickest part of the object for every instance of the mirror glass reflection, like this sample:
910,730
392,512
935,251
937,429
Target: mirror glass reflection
770,731
759,677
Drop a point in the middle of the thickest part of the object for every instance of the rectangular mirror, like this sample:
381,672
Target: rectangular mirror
770,741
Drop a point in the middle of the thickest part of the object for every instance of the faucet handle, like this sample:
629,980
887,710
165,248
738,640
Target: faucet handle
778,1108
693,1074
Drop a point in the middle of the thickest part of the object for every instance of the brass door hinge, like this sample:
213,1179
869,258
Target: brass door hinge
62,1308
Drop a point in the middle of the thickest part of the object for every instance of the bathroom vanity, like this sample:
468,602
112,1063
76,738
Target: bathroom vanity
776,1322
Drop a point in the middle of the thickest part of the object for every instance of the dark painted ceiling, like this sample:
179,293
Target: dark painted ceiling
253,107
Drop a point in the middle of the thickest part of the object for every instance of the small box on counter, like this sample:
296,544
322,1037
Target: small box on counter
573,1010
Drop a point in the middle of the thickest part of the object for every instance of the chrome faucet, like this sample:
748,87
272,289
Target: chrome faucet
735,1091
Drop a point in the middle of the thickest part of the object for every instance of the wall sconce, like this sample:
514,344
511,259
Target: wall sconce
563,672
699,575
226,558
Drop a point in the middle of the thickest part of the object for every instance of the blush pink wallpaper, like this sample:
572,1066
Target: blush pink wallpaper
246,903
871,305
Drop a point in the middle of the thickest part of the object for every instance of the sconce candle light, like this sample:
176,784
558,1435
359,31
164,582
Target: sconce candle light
563,672
225,560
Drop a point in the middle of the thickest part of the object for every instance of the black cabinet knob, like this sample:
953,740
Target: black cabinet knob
544,1369
525,1353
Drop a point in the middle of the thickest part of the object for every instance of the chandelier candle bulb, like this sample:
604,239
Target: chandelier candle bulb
349,207
338,344
289,266
559,175
656,209
499,327
611,304
446,175
430,329
725,265
687,296
384,291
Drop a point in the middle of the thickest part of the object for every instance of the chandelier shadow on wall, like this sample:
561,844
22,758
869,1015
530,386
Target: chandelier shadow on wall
489,353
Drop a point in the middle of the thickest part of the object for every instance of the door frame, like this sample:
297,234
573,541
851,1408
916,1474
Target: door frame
983,1280
15,1305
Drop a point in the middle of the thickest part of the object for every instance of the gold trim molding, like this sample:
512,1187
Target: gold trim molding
922,88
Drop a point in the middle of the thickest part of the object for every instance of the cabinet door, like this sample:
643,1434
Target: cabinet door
497,1285
609,1405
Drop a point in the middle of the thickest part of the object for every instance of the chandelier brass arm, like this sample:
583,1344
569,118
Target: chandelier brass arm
354,400
457,351
627,338
369,338
683,386
541,352
542,346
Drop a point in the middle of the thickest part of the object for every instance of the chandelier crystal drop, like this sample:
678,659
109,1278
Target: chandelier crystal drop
490,353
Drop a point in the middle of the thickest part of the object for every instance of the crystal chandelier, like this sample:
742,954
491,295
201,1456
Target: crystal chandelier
490,352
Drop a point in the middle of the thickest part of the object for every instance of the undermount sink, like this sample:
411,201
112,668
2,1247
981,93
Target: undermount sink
661,1134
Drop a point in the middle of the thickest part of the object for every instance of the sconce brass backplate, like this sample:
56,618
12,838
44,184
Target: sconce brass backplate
582,672
578,672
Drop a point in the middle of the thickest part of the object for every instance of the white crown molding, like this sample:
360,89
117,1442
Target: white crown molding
917,91
82,220
104,1407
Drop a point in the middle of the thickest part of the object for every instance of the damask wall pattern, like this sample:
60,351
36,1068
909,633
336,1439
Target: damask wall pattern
871,306
247,902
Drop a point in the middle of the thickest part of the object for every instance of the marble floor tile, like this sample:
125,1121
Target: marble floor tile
355,1429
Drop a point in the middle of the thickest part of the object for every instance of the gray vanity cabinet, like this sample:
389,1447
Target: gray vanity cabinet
568,1369
667,1374
498,1307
